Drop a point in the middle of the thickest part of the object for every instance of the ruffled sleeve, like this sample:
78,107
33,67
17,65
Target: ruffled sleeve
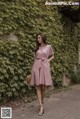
51,51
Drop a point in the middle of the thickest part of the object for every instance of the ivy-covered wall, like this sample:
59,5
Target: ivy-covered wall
24,19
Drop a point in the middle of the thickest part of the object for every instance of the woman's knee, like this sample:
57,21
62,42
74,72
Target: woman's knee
43,87
38,87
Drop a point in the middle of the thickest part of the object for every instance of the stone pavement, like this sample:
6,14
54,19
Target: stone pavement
62,105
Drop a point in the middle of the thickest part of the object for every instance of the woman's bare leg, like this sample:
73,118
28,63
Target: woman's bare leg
42,93
38,88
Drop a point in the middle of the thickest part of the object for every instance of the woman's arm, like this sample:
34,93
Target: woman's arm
51,53
52,57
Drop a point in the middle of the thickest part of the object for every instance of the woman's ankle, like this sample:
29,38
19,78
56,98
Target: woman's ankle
42,102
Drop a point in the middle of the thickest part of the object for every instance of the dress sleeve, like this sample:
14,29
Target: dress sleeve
51,51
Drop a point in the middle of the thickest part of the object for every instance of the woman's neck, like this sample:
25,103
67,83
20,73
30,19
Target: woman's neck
42,45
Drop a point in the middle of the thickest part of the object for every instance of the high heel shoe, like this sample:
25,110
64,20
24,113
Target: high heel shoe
41,110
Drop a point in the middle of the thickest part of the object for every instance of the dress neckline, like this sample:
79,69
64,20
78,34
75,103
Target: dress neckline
42,46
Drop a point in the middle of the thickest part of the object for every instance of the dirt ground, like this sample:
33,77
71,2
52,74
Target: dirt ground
59,104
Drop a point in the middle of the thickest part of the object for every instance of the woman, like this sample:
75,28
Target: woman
40,74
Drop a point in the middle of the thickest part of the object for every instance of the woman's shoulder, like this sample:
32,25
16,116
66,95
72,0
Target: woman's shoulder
49,45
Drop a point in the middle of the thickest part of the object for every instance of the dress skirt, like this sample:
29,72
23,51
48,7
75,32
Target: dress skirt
40,73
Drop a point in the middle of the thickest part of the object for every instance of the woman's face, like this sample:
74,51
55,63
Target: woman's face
39,39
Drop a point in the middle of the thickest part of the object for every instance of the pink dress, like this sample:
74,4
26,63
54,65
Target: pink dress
40,73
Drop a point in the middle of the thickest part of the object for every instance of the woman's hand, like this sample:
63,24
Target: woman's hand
52,57
48,60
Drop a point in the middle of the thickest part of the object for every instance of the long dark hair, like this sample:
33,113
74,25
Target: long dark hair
43,39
